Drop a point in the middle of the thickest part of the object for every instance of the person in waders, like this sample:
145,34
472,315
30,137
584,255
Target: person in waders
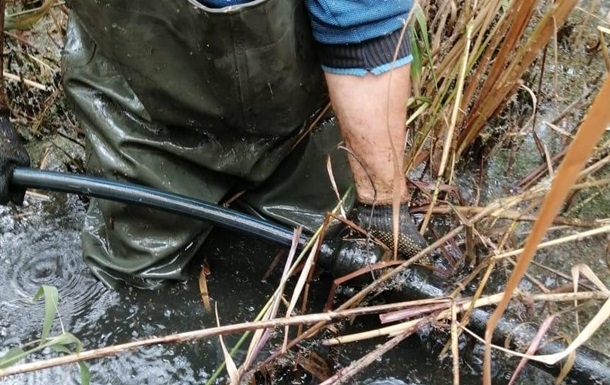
207,98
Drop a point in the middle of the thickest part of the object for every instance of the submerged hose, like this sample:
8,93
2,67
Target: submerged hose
589,367
149,197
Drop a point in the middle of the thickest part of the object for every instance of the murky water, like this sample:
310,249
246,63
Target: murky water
39,244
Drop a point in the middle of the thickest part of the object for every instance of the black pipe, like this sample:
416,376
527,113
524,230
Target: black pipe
590,366
149,197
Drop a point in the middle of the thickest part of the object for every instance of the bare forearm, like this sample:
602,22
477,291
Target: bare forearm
372,113
365,55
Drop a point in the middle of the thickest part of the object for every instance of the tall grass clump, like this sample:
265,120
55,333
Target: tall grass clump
502,39
470,59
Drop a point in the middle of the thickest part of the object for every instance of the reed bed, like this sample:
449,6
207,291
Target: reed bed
482,72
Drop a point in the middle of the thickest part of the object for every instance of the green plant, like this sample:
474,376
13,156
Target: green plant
60,343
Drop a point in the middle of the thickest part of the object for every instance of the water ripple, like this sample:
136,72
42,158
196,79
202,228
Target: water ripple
53,261
41,246
152,366
41,249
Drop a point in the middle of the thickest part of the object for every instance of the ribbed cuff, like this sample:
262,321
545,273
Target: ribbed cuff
371,56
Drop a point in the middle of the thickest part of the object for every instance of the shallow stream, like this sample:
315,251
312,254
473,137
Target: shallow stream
39,244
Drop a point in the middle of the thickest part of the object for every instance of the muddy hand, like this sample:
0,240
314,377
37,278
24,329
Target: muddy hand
378,220
12,154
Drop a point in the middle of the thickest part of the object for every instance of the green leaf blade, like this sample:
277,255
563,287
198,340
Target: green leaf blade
51,299
12,356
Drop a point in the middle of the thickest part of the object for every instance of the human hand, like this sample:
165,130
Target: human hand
12,154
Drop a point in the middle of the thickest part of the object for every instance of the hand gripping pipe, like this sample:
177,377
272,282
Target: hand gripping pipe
589,366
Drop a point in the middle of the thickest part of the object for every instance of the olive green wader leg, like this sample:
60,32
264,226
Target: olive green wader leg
122,242
197,102
299,193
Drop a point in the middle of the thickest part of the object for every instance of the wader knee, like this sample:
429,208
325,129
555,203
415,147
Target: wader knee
193,101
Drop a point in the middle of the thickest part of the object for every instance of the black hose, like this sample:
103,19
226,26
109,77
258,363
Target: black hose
149,197
589,366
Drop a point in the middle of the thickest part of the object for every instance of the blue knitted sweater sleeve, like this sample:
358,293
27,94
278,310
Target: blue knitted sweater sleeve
357,37
354,21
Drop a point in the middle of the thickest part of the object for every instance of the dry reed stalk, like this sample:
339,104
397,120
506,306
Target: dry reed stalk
557,129
514,24
506,73
462,305
303,278
598,165
24,20
555,242
591,130
477,295
261,336
604,47
450,133
208,333
582,26
455,351
395,151
492,43
537,174
229,363
203,288
355,367
511,214
354,274
27,82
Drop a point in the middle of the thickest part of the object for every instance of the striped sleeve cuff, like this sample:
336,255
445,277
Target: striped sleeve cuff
374,56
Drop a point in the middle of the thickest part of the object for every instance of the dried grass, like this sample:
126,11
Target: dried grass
470,60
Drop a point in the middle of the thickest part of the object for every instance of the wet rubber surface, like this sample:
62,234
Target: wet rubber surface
39,244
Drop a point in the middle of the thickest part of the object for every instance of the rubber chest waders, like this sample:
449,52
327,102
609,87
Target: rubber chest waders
199,102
